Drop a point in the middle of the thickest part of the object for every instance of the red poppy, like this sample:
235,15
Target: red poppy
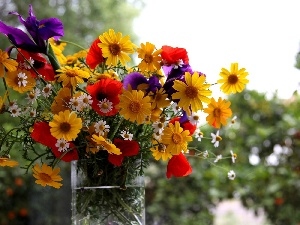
172,55
108,89
187,125
41,134
127,147
178,166
40,64
94,55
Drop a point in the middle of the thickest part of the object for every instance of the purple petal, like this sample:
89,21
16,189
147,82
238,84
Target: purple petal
51,27
134,79
18,37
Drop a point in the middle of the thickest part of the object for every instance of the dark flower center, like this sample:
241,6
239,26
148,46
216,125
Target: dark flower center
148,58
191,92
135,107
232,79
45,177
65,127
217,112
176,138
114,49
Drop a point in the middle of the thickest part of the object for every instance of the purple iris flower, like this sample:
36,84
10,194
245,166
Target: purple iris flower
175,74
154,84
134,80
39,30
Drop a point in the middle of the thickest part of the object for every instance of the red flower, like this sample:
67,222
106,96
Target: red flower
128,148
172,55
94,55
178,166
187,125
40,64
41,134
108,89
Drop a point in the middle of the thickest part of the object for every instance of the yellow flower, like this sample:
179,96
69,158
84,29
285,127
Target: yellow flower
160,99
59,55
6,63
218,112
71,76
115,47
192,92
175,138
159,151
234,80
58,44
135,106
4,161
105,145
150,57
2,101
45,175
20,80
61,100
65,125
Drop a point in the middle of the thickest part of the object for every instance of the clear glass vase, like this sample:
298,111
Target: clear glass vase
99,198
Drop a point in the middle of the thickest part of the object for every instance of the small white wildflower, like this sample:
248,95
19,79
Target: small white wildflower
233,156
105,105
126,135
158,127
175,107
205,154
231,175
194,118
219,157
28,64
178,63
101,127
62,145
216,139
13,105
15,111
75,104
233,120
22,79
32,113
33,95
86,100
47,90
198,134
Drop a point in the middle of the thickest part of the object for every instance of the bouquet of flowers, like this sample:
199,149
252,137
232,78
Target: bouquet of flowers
97,105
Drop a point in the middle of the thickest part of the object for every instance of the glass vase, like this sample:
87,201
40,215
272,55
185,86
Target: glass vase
101,196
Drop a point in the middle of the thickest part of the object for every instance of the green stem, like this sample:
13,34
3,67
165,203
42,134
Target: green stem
116,129
72,43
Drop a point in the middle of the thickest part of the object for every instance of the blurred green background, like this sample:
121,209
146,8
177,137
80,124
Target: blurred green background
266,138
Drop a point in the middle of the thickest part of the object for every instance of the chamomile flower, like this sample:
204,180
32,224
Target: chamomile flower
126,135
194,118
101,127
205,154
158,127
75,104
105,105
233,156
86,100
47,90
198,134
216,139
62,145
219,157
231,175
33,95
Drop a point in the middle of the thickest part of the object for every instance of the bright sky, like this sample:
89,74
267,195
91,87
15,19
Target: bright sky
263,36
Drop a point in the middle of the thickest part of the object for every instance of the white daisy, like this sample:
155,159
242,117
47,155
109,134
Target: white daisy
86,100
75,104
101,127
62,145
105,105
198,134
231,175
47,90
22,79
126,135
219,157
216,139
194,118
33,95
233,156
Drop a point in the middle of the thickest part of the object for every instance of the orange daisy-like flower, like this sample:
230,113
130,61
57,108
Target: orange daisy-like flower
61,100
71,76
45,175
218,112
150,57
20,80
6,63
105,145
4,161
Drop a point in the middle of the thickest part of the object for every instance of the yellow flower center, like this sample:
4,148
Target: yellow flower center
104,105
218,138
46,89
232,79
45,177
135,107
217,112
176,138
191,92
65,127
114,49
148,58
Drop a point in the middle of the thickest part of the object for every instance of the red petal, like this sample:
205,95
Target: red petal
69,156
173,55
128,148
178,166
41,133
115,159
94,55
